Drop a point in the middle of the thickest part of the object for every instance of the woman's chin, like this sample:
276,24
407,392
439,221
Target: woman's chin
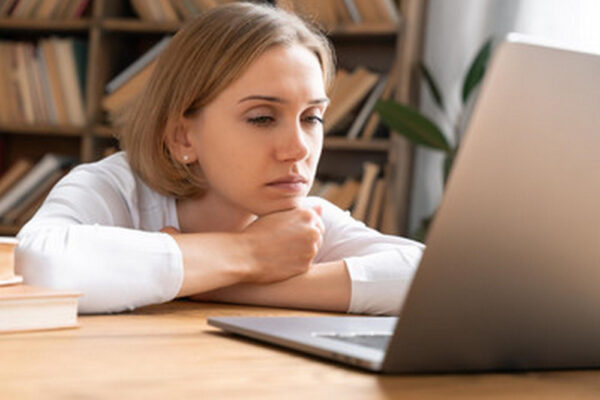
271,207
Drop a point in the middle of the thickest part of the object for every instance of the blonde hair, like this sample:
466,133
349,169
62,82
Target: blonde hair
201,60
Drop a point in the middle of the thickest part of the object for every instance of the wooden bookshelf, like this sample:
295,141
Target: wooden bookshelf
115,36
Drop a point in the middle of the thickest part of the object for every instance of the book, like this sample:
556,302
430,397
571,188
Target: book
353,11
366,109
27,308
7,260
367,183
121,97
38,193
387,11
354,88
14,173
167,11
138,65
46,9
329,190
23,82
67,68
374,213
49,60
28,213
346,195
40,172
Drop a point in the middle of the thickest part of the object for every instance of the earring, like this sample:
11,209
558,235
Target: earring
186,158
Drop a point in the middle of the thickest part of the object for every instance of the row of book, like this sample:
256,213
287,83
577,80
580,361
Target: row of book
333,14
172,10
364,197
330,14
43,9
28,308
25,185
43,83
353,96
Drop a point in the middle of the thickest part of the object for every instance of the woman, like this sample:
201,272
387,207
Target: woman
209,198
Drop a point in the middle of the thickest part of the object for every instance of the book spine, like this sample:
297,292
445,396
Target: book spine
138,65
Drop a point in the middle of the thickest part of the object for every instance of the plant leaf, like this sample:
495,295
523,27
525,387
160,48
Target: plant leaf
432,85
476,70
411,124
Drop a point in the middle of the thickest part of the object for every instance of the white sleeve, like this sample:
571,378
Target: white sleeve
83,239
381,267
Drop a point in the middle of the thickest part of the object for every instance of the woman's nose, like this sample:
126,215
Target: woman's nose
293,145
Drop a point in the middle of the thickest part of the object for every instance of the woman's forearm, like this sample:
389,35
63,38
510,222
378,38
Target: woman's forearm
325,286
211,261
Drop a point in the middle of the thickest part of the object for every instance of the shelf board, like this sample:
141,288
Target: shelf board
53,25
54,130
340,143
103,131
136,25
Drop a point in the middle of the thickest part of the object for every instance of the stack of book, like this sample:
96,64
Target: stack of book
173,10
43,84
347,14
353,97
25,185
43,9
124,87
27,308
364,197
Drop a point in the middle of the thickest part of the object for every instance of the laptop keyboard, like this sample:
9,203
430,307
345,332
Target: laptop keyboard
373,340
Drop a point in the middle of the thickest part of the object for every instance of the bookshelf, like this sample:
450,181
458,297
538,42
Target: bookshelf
115,36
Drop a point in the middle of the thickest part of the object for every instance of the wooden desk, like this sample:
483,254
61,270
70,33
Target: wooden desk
169,352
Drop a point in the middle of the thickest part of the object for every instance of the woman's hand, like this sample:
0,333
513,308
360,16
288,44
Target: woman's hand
283,244
273,248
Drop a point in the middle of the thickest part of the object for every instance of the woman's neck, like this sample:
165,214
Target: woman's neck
211,214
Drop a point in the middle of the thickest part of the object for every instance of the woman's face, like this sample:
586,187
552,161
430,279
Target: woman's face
259,141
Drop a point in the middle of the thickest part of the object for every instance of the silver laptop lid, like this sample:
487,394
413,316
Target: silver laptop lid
511,275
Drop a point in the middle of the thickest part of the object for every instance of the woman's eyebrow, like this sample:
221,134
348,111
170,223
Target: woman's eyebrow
280,100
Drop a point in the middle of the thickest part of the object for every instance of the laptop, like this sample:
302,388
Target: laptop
510,278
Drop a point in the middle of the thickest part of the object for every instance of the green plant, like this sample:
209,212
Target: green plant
421,130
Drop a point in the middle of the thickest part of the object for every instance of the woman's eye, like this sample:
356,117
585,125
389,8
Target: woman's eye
261,120
313,119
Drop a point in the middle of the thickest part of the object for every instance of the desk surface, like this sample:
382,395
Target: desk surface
169,351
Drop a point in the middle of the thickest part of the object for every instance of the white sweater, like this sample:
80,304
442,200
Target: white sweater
98,232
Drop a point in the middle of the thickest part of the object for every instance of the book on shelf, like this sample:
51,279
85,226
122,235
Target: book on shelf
138,65
363,197
114,102
40,173
172,10
43,84
346,195
156,10
24,210
347,94
28,308
14,173
43,9
70,81
333,14
377,202
7,261
366,109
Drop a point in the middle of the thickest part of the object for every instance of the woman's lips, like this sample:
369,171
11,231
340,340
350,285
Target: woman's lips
291,184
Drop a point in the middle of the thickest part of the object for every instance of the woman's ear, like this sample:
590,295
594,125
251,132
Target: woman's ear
179,143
